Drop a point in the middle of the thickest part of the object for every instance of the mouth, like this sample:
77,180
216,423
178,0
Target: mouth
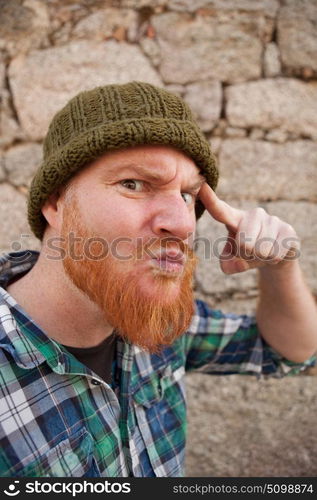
170,262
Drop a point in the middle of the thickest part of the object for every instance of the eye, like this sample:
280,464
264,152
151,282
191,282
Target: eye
132,184
188,198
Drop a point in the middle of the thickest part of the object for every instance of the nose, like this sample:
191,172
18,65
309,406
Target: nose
173,218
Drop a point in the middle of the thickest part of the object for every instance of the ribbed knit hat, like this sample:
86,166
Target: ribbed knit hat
113,117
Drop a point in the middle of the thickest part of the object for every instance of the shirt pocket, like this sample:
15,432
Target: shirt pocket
71,457
155,388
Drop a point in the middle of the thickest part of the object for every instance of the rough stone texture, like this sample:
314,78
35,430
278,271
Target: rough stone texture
283,103
12,228
205,98
276,135
21,162
235,132
140,4
24,25
240,426
219,130
45,80
2,74
297,36
256,134
272,64
215,144
244,302
9,128
211,236
108,23
286,171
265,7
303,217
152,50
2,171
241,302
218,46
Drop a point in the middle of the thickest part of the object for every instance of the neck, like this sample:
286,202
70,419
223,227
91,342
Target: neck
62,311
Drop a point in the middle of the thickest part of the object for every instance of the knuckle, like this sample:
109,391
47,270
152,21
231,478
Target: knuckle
274,219
247,246
256,211
260,210
276,258
290,229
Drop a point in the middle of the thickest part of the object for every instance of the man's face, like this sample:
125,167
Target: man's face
128,220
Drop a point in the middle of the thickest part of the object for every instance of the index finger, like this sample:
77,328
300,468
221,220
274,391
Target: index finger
219,209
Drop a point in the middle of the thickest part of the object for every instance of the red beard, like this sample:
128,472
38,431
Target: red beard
149,320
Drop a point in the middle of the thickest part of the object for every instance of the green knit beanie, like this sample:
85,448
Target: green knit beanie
113,117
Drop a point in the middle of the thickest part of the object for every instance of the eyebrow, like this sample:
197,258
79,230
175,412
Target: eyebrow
149,174
197,185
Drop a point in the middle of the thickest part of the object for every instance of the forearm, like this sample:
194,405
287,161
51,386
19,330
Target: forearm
286,311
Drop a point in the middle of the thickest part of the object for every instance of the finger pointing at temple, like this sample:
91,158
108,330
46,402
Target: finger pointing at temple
219,209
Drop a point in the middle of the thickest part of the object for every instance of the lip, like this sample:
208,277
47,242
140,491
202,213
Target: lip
169,261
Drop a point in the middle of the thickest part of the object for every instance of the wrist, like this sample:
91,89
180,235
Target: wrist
285,269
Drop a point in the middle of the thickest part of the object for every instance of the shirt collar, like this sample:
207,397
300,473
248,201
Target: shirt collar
15,263
19,335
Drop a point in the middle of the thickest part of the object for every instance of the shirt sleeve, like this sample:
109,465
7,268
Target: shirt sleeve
227,343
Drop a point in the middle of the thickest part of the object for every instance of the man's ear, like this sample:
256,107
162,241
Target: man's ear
52,210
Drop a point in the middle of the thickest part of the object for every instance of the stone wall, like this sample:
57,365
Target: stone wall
248,69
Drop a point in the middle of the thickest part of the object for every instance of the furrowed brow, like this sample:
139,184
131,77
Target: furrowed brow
150,174
138,169
197,185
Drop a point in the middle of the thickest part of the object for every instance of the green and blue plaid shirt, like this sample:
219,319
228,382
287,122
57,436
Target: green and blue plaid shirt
58,418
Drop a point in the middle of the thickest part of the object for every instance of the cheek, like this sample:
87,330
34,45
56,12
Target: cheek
120,222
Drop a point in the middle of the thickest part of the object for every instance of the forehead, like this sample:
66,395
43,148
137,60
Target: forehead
155,162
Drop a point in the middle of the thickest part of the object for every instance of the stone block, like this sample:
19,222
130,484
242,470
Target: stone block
2,74
24,25
215,144
105,23
256,134
220,46
297,36
15,233
265,7
220,128
235,132
205,100
276,135
284,103
21,162
9,127
141,4
43,81
2,170
151,49
239,426
272,64
268,171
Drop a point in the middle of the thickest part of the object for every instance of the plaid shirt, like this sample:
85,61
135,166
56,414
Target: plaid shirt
58,418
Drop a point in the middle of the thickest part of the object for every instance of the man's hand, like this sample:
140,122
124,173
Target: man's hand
255,238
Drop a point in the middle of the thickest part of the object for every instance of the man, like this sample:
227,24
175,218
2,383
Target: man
98,329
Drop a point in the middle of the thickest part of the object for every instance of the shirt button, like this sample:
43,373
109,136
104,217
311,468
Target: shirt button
95,382
60,367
